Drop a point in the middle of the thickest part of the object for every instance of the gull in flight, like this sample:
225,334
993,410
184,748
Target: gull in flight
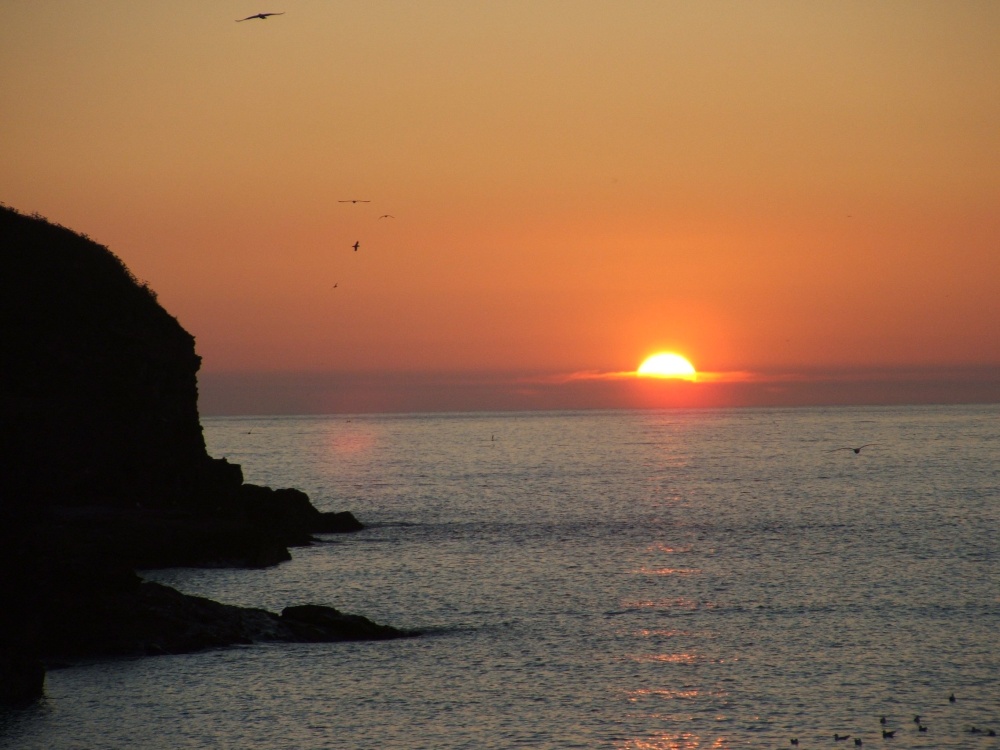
856,450
353,200
261,16
356,245
387,216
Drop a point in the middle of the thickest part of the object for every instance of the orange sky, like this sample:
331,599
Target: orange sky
804,191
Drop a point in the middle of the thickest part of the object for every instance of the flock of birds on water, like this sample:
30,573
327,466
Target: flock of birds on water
888,734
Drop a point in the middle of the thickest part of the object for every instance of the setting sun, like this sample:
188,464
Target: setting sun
667,365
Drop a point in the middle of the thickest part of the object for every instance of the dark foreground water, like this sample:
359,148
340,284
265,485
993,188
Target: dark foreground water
680,579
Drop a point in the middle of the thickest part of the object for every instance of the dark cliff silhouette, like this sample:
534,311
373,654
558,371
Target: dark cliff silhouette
105,470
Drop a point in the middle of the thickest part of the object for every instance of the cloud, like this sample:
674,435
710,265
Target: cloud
732,376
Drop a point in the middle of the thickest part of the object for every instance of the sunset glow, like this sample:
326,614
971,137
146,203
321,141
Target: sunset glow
667,365
531,217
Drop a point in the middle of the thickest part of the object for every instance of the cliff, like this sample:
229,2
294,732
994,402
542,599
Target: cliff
105,470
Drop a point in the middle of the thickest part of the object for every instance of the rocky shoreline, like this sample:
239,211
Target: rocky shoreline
106,472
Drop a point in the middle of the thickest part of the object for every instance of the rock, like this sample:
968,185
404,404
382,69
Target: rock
106,472
22,678
338,523
313,622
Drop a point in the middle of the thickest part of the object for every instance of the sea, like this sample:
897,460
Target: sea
629,580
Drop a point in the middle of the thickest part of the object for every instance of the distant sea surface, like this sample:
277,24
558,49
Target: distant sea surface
627,580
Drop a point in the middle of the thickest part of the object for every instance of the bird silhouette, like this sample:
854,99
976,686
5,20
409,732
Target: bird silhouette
848,448
839,737
353,200
858,742
261,16
888,735
794,741
921,728
951,698
916,719
356,245
387,216
882,720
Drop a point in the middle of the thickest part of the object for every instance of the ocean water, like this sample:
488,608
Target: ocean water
626,580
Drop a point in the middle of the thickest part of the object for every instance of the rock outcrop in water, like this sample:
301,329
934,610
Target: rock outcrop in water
106,470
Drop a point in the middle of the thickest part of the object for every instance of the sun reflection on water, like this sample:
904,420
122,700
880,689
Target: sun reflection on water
672,741
662,633
666,658
647,571
668,550
665,693
679,602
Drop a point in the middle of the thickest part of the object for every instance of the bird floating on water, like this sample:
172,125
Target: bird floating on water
858,742
888,735
839,737
848,448
261,16
794,741
951,698
882,720
921,728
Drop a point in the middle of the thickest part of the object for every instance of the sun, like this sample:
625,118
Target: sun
667,365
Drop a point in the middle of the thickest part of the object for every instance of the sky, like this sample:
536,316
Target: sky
802,198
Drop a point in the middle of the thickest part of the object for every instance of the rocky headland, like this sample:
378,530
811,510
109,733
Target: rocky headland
105,471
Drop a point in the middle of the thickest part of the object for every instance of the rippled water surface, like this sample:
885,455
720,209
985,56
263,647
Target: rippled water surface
596,580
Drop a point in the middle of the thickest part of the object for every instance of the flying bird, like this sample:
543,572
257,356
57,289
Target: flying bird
856,450
356,245
261,16
353,200
387,216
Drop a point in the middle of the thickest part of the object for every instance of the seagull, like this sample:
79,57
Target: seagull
387,216
856,450
356,245
353,200
335,286
261,16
